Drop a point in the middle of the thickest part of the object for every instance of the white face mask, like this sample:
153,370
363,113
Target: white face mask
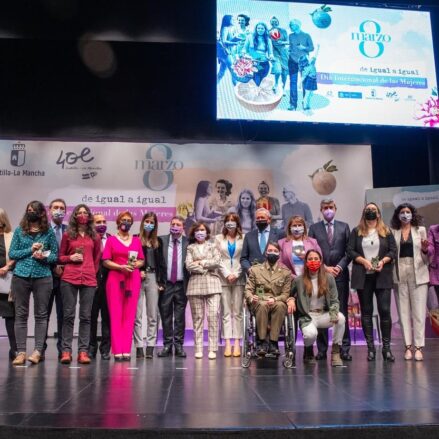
405,217
230,225
297,230
200,235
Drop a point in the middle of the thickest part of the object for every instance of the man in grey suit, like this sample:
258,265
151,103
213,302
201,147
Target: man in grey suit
173,300
332,237
255,242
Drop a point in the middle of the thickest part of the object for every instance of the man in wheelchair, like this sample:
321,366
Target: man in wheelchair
266,292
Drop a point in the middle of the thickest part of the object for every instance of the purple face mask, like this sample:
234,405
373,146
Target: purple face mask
101,228
175,230
329,214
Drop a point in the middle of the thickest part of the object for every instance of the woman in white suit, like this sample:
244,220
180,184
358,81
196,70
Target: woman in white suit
411,275
229,244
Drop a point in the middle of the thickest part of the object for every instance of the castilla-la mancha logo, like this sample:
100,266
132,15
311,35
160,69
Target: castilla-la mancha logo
18,154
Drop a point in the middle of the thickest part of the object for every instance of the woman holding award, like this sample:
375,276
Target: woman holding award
80,253
372,248
123,256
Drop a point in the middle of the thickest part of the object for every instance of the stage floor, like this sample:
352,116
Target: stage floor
172,393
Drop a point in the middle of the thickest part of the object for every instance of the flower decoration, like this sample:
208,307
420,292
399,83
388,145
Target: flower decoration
185,209
251,92
428,112
244,67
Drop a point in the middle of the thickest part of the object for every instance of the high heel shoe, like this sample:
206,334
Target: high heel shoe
387,355
408,352
371,354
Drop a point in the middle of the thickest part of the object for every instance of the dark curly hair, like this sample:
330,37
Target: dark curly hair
416,221
37,207
72,229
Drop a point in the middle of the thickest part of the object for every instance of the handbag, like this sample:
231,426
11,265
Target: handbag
5,283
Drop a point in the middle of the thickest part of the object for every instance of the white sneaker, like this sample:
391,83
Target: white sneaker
198,355
212,355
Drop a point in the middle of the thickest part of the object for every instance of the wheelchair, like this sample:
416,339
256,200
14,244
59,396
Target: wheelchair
287,334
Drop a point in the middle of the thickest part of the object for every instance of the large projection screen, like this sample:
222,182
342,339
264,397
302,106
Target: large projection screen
308,62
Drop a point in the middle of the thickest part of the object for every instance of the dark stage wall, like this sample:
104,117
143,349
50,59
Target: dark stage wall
158,83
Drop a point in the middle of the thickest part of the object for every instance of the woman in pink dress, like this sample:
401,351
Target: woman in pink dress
123,256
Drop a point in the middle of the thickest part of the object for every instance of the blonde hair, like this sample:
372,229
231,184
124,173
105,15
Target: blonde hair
4,219
288,233
381,228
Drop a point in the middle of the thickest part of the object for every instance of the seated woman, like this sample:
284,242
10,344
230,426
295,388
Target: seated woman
318,306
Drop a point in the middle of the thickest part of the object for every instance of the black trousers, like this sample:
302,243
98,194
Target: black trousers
172,306
56,298
100,306
322,337
383,297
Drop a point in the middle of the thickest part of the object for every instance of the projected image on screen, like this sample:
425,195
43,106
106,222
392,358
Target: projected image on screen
307,62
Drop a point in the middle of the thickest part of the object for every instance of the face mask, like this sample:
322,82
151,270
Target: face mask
297,230
370,214
125,226
200,235
230,225
58,214
82,219
261,225
148,227
272,258
101,228
328,214
405,217
313,266
32,217
175,230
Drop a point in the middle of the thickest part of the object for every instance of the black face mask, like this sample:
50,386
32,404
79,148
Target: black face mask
261,225
272,258
32,217
370,215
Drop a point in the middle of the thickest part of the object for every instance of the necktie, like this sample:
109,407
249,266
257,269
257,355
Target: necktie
174,265
330,233
262,242
58,234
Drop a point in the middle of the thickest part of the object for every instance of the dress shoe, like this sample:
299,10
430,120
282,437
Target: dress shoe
179,352
166,351
236,350
83,358
346,356
198,355
321,356
149,353
387,355
418,354
212,355
228,349
118,358
126,357
92,353
408,355
66,358
20,359
273,348
308,355
140,353
35,357
262,350
106,356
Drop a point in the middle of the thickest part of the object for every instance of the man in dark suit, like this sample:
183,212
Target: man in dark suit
57,210
173,300
255,242
332,237
100,300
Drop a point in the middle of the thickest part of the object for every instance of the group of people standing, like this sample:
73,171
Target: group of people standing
301,270
272,50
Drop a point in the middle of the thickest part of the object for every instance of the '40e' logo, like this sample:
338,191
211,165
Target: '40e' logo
70,158
371,39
